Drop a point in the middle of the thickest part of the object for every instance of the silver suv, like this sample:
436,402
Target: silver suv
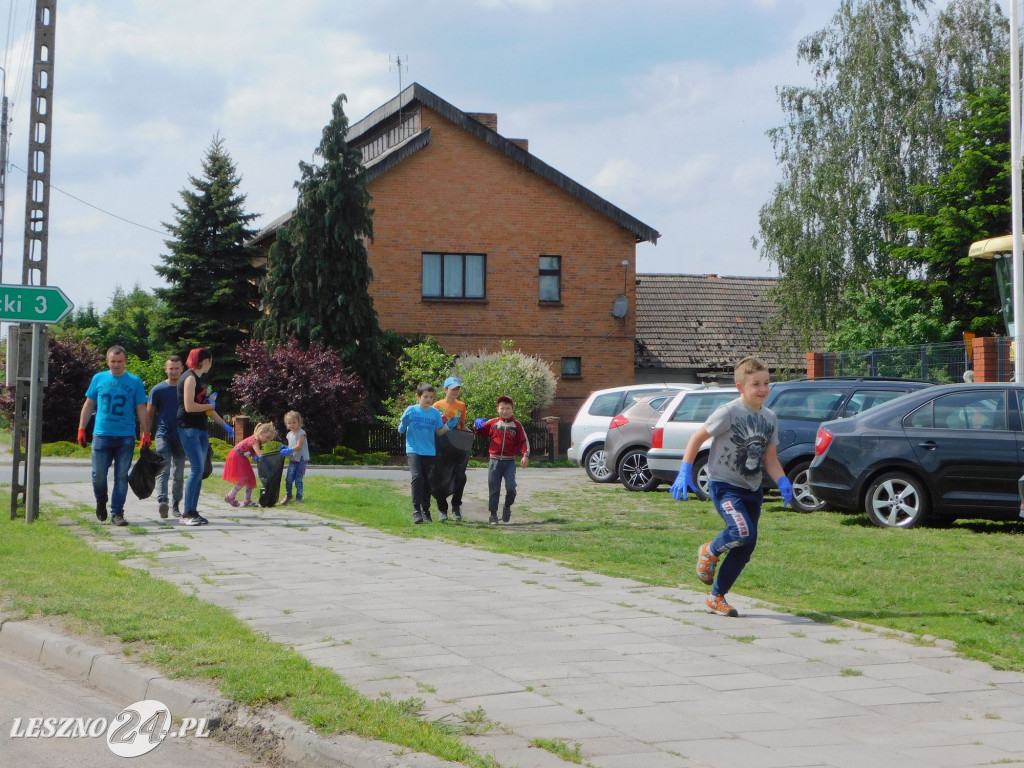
594,416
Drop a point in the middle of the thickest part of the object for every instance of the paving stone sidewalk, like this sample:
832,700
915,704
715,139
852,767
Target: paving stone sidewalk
639,676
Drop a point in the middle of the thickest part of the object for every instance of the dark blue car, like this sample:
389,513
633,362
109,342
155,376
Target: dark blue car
944,452
802,405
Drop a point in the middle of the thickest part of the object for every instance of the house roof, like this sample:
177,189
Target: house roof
707,323
417,94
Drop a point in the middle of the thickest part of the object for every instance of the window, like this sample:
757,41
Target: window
550,278
454,275
983,410
571,366
607,404
698,406
819,405
864,399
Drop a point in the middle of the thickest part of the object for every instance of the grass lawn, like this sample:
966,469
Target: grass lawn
963,582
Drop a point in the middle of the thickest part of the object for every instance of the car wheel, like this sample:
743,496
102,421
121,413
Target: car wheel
634,472
594,462
896,500
701,478
803,499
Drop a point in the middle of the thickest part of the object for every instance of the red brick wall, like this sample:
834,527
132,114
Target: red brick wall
459,195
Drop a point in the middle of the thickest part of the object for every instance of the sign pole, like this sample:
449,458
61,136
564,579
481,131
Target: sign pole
35,424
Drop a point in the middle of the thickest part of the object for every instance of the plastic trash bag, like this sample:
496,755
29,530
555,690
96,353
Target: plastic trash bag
143,475
270,469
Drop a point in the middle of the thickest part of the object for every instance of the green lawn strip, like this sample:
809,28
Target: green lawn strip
47,570
963,582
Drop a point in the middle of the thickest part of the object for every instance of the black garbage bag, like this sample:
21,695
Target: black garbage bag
208,466
142,477
270,469
452,451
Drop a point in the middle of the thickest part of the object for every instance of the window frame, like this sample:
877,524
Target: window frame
579,368
442,257
543,272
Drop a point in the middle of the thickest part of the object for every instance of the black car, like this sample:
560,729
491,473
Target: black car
945,452
801,405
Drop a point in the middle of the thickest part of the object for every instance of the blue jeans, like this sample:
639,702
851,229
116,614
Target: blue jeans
174,460
195,442
497,470
107,449
296,471
740,508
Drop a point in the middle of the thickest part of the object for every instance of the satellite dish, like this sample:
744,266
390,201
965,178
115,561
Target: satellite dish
620,306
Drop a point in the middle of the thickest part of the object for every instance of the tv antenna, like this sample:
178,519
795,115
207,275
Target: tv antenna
400,64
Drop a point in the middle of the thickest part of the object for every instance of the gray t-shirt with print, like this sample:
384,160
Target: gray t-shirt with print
739,438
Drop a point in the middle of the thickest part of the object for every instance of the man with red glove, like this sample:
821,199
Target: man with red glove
116,397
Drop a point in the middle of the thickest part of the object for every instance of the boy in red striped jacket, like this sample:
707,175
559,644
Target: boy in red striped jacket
508,441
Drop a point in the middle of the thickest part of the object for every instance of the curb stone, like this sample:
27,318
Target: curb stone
267,734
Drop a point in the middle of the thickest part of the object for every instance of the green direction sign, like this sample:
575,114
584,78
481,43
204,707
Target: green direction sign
33,304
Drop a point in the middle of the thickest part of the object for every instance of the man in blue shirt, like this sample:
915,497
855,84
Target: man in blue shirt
163,406
116,397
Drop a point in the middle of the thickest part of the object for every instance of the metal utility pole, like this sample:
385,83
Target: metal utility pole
1015,194
32,338
3,167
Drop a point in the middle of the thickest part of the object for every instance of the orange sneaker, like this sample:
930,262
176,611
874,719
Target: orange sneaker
716,604
706,564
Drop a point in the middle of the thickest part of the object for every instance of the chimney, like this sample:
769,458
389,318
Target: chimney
523,144
487,119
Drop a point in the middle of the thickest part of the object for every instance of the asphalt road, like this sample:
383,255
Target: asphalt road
30,691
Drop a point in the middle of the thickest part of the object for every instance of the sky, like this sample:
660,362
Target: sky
659,106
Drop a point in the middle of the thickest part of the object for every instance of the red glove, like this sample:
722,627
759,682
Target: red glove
81,437
146,441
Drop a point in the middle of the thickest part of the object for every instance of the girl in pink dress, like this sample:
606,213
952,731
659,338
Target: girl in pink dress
237,468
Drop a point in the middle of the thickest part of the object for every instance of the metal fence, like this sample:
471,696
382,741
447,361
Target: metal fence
940,363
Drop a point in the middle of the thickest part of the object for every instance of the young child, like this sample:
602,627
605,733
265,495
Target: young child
507,441
744,436
420,423
449,465
298,456
237,468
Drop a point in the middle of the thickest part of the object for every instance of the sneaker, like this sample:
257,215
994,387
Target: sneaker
164,508
298,499
417,517
457,515
493,520
706,564
443,517
285,500
193,518
101,511
232,501
176,511
116,519
426,516
716,604
506,515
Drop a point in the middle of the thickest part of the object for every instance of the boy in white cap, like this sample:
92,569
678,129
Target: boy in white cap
450,467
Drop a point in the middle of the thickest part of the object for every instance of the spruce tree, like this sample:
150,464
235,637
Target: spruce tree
318,276
212,298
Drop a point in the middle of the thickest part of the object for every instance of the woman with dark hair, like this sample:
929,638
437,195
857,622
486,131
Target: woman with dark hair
194,405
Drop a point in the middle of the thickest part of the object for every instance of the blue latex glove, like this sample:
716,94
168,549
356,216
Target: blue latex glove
286,451
479,422
786,489
684,482
256,460
230,430
453,422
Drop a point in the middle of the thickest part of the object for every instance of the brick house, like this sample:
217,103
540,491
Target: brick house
693,328
476,240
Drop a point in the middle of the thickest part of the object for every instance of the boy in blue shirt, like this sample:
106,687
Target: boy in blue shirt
116,397
163,405
420,423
